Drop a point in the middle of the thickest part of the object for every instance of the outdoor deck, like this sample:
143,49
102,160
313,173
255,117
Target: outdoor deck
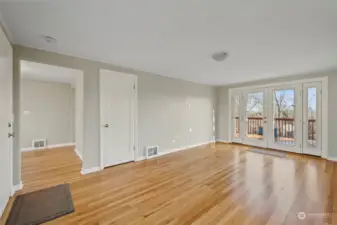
284,130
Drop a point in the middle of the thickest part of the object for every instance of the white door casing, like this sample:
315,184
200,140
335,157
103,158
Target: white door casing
6,117
118,103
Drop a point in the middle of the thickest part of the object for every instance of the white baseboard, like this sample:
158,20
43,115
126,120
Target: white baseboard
48,147
78,154
90,170
184,148
140,158
334,159
2,207
16,188
223,141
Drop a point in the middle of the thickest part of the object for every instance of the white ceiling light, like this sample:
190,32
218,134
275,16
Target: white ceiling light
220,56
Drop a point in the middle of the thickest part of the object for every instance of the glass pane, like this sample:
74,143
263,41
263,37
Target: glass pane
312,116
284,116
254,114
236,114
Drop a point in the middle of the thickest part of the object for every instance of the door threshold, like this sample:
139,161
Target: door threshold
273,149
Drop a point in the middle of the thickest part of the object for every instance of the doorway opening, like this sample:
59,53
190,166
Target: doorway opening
51,124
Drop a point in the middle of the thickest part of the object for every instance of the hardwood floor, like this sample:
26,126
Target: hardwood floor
213,184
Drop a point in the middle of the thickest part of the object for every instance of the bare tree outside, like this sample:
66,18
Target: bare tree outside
284,103
255,104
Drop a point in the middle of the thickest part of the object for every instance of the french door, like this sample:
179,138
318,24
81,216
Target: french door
312,118
236,119
255,117
285,117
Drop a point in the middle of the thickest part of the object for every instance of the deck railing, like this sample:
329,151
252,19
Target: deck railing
283,127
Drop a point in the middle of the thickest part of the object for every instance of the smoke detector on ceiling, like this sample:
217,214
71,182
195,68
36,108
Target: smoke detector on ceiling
49,39
219,56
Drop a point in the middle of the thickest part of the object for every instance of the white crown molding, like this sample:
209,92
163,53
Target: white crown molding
6,30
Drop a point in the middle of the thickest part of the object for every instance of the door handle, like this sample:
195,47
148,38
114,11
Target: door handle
11,135
106,125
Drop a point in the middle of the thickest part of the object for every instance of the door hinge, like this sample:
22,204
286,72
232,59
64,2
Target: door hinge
134,148
134,87
320,91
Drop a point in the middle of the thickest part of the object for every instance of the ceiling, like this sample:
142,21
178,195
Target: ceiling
264,38
44,72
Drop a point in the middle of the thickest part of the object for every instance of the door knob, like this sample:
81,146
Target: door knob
106,125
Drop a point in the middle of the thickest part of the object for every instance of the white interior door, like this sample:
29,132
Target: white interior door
255,117
312,119
236,117
6,76
285,118
117,105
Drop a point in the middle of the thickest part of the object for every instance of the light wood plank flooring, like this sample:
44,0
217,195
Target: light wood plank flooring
213,184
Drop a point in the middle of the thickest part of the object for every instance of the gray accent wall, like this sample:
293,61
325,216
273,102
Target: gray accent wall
171,113
46,112
223,107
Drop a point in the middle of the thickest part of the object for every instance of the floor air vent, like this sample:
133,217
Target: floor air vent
39,143
151,151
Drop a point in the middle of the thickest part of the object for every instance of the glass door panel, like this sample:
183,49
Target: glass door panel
236,117
285,118
312,119
255,118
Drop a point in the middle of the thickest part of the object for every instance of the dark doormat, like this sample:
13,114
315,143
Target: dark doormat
41,206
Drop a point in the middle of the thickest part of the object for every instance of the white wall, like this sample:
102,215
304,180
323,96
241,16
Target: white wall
168,108
163,114
222,114
47,112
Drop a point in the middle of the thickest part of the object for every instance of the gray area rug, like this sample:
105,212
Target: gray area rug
268,152
41,206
